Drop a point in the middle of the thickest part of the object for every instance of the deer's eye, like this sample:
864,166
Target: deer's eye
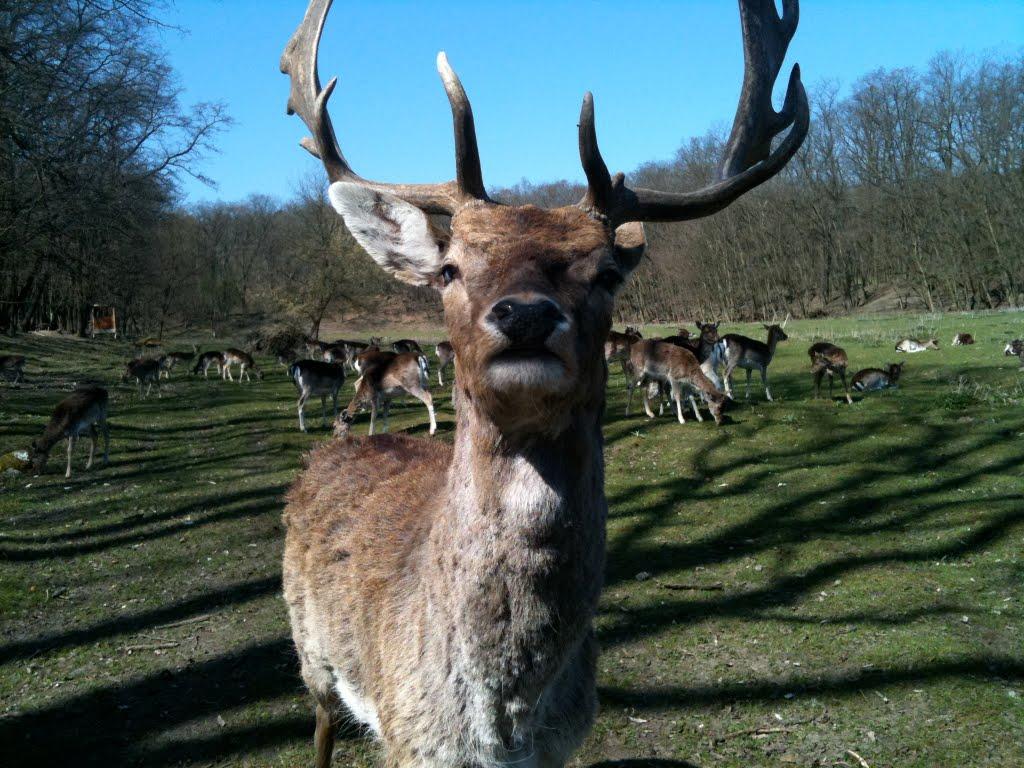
608,279
448,273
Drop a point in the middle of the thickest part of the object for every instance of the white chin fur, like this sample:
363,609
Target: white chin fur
543,374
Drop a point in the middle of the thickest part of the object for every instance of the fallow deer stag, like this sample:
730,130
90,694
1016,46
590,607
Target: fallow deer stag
77,414
445,357
743,352
384,375
828,359
446,594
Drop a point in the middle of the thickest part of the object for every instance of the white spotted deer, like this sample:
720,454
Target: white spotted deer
208,360
750,354
245,364
677,367
445,594
383,376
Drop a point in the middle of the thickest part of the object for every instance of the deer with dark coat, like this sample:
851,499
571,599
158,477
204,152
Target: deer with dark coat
12,368
315,377
828,360
78,414
145,370
872,379
445,594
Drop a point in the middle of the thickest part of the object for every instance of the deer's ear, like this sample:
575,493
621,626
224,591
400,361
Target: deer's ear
630,244
397,235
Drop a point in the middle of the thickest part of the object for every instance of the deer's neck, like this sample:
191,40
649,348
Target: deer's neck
518,553
773,342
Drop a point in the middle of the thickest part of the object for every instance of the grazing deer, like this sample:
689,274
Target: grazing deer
446,594
77,414
746,353
659,361
831,360
445,357
871,379
383,375
1015,348
315,377
145,370
962,340
913,345
705,348
12,368
209,360
169,361
244,362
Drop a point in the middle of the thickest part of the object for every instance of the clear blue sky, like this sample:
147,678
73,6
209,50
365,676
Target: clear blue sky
660,72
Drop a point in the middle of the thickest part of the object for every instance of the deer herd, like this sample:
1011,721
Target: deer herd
443,594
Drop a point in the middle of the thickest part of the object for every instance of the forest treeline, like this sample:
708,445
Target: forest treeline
908,190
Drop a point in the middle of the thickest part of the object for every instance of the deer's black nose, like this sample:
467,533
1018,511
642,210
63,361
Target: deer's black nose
525,323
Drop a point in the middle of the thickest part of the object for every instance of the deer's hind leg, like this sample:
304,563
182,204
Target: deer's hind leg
846,389
764,380
92,446
425,397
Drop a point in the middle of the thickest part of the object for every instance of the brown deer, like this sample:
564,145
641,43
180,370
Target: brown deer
663,362
244,362
445,357
208,360
962,340
12,368
831,360
705,348
384,375
145,370
446,594
1015,349
743,352
77,414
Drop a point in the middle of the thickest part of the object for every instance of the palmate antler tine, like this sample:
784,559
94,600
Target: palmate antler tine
307,100
748,159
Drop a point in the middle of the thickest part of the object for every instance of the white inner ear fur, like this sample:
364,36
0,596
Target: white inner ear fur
397,235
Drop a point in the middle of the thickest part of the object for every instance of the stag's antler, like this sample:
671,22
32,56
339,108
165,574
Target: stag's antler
748,159
309,102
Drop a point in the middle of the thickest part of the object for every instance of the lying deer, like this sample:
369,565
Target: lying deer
12,368
749,354
913,345
145,370
871,379
244,362
170,361
445,357
209,360
445,594
1015,347
77,414
315,377
659,361
962,340
828,359
385,375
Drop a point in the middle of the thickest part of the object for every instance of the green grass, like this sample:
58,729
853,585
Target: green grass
853,575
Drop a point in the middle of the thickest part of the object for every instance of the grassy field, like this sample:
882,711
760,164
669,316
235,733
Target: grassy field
809,581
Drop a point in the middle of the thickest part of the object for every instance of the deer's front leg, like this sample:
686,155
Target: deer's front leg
764,380
71,447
